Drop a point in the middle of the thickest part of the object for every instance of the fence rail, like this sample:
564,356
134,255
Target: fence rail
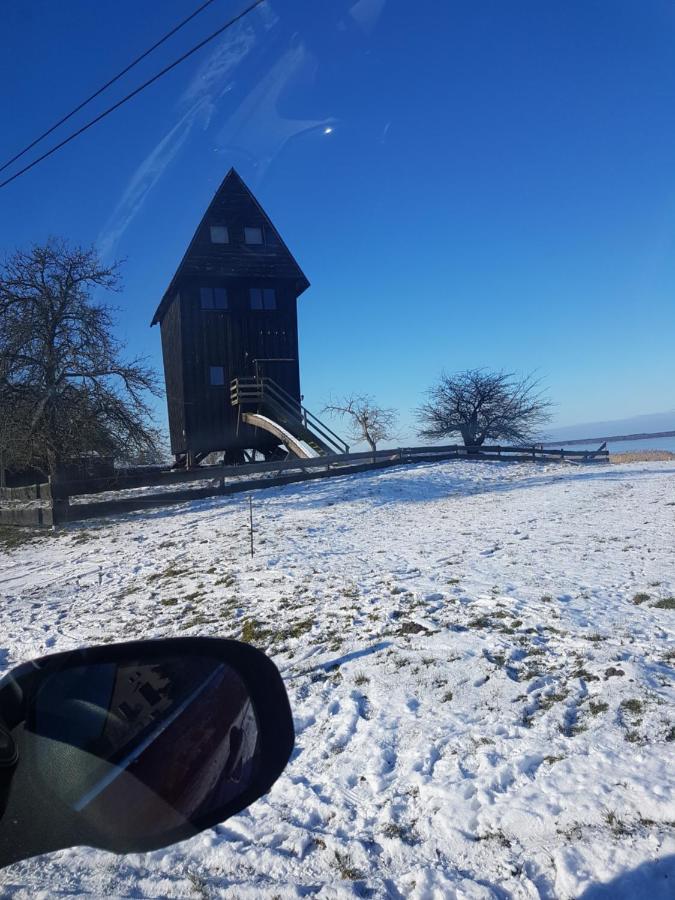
51,503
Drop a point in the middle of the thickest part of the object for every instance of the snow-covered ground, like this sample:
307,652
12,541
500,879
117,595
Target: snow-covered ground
479,659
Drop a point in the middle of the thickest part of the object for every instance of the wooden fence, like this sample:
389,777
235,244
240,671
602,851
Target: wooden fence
52,503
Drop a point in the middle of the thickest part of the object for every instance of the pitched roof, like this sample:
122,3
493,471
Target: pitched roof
234,206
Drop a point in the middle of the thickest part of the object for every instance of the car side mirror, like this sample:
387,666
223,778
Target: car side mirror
130,747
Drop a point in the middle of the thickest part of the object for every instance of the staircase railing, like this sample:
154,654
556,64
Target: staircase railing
265,391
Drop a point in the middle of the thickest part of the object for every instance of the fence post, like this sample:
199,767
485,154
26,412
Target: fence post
60,501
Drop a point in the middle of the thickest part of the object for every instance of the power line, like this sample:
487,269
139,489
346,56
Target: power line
106,85
133,93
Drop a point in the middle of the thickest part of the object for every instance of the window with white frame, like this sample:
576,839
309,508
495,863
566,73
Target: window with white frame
263,298
219,234
213,298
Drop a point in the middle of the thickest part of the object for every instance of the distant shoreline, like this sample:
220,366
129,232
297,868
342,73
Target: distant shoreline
643,436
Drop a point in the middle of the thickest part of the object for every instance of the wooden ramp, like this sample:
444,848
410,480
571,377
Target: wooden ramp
296,447
264,404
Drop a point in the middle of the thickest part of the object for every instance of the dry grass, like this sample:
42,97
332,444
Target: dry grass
628,456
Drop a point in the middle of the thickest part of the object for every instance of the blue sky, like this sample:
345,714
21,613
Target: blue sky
497,188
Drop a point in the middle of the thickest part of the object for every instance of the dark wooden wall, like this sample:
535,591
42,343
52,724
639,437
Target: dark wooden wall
172,355
233,338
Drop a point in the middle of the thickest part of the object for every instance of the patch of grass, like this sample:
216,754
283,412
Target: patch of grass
594,638
480,622
670,737
497,836
596,708
553,759
252,632
404,833
572,730
171,572
255,632
617,825
198,619
447,697
546,598
226,580
169,601
82,537
630,456
361,678
292,630
640,597
665,603
583,673
632,710
612,671
411,628
547,701
348,871
199,885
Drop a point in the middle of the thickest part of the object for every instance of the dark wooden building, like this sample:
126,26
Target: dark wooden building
229,330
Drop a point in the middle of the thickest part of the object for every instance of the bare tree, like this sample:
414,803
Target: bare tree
64,388
481,405
367,421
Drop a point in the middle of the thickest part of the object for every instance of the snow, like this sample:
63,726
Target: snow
482,711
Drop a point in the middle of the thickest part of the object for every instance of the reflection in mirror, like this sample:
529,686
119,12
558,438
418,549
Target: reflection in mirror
145,745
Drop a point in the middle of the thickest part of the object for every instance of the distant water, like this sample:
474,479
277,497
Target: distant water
647,444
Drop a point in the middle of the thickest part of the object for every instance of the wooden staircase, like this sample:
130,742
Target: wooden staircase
265,404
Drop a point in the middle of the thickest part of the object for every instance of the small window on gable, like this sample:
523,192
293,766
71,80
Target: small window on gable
213,298
263,298
217,376
219,234
253,235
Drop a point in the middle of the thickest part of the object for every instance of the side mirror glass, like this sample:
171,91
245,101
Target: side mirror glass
134,746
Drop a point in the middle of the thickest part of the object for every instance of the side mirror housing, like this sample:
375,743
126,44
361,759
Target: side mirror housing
130,747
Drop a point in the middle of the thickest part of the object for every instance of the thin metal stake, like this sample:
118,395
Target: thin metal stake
250,514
